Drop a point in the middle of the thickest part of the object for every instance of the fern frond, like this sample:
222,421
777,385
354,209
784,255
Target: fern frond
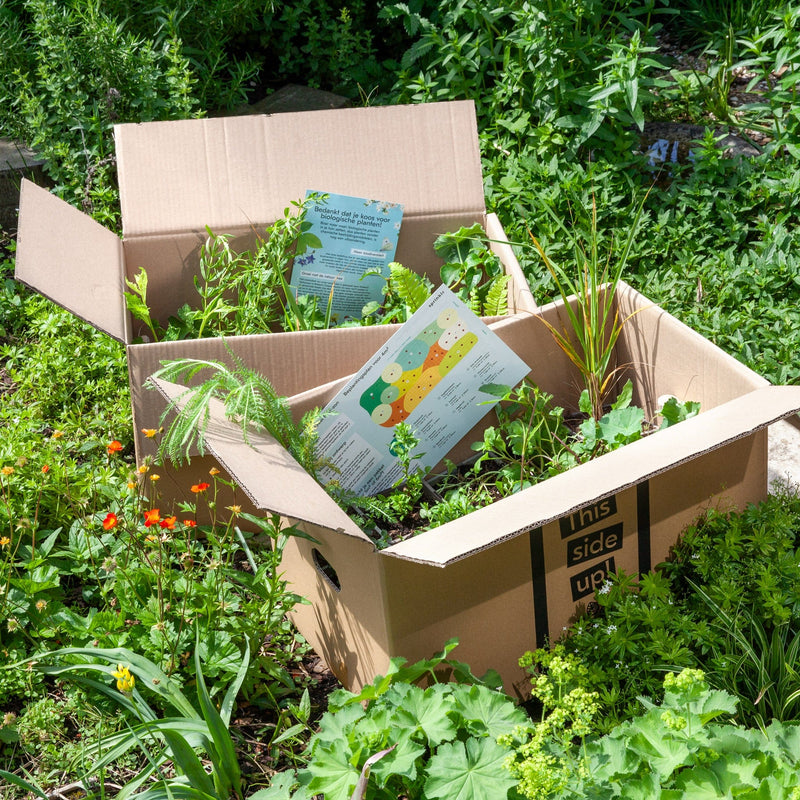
410,288
496,303
250,401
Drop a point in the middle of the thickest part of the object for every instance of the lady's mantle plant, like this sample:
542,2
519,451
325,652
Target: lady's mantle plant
438,742
673,751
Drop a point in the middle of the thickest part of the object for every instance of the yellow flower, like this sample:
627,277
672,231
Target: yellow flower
7,470
125,681
143,468
41,605
155,477
235,509
213,471
131,484
4,541
57,434
150,433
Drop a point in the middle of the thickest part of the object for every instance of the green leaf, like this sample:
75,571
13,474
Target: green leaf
621,426
625,396
662,754
184,757
280,787
402,760
473,771
335,727
333,772
496,303
412,289
23,784
226,765
430,708
493,712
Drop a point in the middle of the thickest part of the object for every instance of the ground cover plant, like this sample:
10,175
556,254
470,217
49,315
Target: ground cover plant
562,89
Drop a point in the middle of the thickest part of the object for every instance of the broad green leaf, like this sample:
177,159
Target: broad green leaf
402,760
280,787
735,771
664,755
332,770
644,787
784,741
625,396
430,710
473,771
494,713
621,426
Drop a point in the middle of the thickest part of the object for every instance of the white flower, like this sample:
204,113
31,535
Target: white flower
605,588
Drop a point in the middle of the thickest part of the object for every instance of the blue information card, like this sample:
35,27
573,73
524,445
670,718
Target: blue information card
354,235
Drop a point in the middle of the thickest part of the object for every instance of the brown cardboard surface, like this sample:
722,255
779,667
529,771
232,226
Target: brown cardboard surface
237,175
231,172
52,233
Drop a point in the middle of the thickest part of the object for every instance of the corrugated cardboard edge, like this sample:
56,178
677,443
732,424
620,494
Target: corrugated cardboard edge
251,464
71,259
229,172
602,477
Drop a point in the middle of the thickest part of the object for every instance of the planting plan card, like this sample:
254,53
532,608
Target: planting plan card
344,237
427,375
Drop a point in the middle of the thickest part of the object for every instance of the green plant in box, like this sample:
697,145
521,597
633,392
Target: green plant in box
594,326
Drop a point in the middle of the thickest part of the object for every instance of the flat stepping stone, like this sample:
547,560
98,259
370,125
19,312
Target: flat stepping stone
16,162
293,97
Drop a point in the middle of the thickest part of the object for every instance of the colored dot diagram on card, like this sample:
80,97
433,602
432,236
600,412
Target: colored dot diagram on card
417,369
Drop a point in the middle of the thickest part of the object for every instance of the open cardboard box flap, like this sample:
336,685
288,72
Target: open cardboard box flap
274,481
236,175
264,470
71,259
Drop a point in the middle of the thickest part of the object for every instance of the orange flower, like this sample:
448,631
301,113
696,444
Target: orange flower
10,471
152,517
114,447
168,522
200,487
46,468
110,521
190,523
58,434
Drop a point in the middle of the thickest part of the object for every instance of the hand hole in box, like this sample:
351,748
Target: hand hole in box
326,570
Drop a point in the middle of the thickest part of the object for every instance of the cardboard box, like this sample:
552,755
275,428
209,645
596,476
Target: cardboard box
507,576
236,175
